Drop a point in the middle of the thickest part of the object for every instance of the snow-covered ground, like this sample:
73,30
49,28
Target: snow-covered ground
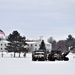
25,66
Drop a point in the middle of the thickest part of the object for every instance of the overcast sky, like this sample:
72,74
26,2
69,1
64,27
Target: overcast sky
35,18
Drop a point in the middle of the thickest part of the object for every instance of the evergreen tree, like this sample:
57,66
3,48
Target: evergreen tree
17,43
70,41
42,46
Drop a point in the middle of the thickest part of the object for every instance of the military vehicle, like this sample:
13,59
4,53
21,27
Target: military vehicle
39,55
58,55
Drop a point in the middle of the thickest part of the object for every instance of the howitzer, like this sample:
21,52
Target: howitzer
58,48
65,54
58,55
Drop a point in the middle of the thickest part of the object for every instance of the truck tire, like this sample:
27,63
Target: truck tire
33,59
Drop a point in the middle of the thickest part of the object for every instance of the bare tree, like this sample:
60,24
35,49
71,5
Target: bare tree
50,40
53,42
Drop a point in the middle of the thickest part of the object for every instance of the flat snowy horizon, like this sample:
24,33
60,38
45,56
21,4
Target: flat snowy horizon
25,66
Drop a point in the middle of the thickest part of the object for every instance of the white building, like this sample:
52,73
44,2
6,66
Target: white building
3,44
35,45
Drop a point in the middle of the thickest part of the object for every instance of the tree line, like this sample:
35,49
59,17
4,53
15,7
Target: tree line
63,44
17,43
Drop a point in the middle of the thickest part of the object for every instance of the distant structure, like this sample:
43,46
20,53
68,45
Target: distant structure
32,44
3,44
35,45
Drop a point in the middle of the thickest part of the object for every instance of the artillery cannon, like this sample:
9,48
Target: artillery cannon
58,55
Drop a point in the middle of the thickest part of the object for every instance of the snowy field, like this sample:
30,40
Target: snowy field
25,66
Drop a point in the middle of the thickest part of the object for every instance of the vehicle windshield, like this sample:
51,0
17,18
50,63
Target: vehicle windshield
39,53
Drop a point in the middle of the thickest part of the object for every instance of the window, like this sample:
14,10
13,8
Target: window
5,44
31,45
1,48
1,44
35,44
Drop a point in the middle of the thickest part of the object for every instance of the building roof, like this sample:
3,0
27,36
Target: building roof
4,41
37,42
31,42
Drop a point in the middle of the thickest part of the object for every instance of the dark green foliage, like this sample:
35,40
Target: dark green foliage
70,41
17,43
42,46
15,36
65,44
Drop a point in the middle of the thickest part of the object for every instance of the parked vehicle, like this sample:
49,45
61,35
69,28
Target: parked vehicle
57,55
39,55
